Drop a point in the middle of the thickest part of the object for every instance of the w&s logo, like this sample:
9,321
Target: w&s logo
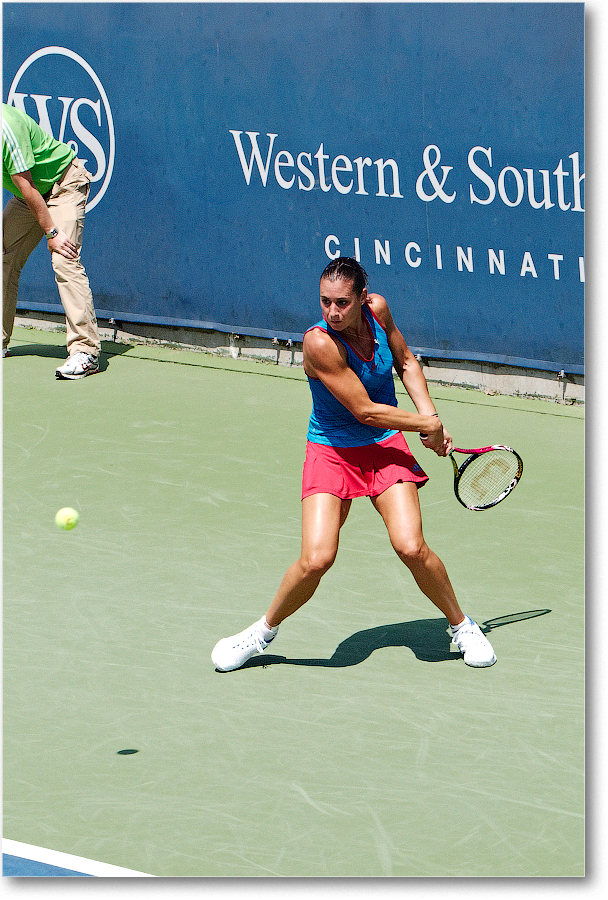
60,90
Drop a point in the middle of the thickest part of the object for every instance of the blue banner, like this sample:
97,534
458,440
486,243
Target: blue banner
236,148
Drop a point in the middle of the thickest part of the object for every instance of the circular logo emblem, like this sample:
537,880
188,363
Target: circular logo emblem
77,113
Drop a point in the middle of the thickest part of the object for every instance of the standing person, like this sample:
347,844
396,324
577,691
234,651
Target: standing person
50,189
356,448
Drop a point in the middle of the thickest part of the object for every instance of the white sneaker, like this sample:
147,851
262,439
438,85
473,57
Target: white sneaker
474,646
78,365
4,352
231,652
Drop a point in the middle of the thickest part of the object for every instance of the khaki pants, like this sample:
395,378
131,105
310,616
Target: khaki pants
22,233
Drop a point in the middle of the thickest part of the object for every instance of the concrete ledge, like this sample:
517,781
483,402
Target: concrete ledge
487,377
495,379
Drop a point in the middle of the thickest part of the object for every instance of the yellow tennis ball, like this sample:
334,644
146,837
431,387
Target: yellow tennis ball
67,518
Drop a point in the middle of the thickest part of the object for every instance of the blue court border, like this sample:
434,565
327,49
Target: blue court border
30,868
28,861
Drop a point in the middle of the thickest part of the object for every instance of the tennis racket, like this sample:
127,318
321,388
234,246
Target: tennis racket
487,475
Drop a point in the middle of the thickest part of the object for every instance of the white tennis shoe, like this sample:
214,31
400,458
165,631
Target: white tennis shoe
78,365
232,652
474,645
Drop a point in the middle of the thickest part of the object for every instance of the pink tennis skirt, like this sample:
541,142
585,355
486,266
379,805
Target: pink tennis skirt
367,471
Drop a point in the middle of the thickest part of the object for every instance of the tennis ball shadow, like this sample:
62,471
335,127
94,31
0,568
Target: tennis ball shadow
428,639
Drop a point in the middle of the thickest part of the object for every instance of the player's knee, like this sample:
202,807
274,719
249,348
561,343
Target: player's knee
411,550
318,562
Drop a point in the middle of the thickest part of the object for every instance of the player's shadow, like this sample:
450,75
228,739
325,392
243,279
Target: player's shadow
428,639
55,351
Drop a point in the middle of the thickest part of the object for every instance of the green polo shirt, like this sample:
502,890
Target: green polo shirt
26,147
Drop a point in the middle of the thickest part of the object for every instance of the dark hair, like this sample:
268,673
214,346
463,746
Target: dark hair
348,269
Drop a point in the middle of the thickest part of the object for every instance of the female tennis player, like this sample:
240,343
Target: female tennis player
356,448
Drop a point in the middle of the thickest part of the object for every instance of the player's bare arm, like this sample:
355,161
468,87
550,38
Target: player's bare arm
408,369
35,201
326,359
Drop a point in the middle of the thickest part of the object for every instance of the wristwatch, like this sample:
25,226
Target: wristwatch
52,233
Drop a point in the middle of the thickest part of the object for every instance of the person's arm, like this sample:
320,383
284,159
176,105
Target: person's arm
411,375
325,360
35,201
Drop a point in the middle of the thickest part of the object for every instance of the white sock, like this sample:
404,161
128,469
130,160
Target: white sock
266,630
456,628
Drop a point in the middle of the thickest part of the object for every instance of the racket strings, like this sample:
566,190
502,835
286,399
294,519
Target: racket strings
487,477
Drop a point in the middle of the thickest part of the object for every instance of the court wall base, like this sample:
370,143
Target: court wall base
491,378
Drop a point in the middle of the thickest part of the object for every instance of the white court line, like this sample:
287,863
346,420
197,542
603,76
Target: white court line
68,861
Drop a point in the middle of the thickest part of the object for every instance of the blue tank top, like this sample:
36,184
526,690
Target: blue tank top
330,422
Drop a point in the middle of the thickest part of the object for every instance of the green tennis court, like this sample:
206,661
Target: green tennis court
360,746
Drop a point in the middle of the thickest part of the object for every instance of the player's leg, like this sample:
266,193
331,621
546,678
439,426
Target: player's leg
322,517
68,204
21,233
400,509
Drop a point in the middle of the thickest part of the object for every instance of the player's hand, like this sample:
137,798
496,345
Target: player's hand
63,245
447,444
438,440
